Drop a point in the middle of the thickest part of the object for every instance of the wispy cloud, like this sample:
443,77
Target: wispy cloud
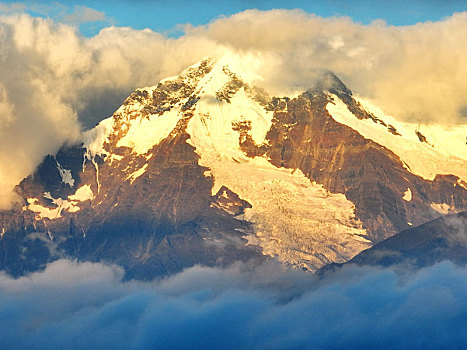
83,14
73,15
12,8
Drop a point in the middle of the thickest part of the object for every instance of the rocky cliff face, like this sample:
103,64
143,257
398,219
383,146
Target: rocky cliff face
205,168
371,176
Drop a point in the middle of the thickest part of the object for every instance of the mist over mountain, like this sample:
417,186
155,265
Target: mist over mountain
83,305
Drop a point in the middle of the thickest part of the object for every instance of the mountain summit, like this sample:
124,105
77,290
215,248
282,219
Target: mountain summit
206,168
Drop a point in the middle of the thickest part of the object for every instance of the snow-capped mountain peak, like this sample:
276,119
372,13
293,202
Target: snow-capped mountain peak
206,163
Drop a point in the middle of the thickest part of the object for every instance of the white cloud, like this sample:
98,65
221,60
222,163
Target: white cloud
414,72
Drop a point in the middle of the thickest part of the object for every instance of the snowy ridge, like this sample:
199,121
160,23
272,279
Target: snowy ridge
65,174
407,195
82,194
136,125
295,220
146,133
214,119
443,152
133,176
94,139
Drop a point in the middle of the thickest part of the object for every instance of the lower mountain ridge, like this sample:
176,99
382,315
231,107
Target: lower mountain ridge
441,239
205,168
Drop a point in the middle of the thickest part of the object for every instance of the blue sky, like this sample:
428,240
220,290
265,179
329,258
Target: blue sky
164,16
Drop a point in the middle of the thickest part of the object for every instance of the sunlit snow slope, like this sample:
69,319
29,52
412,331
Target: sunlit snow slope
426,150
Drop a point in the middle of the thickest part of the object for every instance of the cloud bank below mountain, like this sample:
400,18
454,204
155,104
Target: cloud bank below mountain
84,305
57,80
